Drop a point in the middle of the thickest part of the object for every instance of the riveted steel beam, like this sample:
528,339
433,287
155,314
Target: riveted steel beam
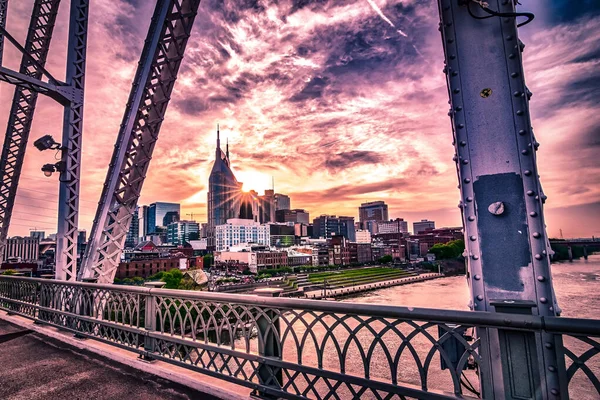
68,201
154,80
501,196
37,44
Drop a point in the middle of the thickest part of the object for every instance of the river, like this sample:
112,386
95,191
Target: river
577,287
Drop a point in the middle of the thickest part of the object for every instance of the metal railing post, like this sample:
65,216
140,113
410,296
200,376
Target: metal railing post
150,319
519,354
269,346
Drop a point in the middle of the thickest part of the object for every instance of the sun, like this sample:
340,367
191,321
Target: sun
254,180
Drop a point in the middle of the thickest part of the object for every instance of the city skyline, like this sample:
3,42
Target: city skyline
330,117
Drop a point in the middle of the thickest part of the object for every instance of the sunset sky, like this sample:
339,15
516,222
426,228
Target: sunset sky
341,101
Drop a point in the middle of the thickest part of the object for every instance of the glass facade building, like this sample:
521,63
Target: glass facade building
156,215
224,193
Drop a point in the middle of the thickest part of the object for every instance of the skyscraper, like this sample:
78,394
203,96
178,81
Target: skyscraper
156,215
282,202
373,211
133,235
267,206
224,192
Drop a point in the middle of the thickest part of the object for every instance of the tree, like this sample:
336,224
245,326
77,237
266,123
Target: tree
208,261
9,272
172,278
453,249
386,259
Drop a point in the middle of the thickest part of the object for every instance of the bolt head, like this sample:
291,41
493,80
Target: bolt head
496,208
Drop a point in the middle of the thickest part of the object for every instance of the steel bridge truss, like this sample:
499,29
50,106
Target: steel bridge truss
70,94
154,80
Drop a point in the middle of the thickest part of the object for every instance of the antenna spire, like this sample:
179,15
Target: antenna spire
218,142
227,149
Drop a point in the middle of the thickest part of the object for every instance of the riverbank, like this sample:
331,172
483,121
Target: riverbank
351,290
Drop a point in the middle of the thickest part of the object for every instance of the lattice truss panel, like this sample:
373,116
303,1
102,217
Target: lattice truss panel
37,44
149,98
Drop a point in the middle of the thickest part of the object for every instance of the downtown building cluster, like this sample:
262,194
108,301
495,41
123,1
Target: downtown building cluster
249,231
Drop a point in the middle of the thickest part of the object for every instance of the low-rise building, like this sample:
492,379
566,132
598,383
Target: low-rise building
145,268
397,225
363,236
339,252
360,253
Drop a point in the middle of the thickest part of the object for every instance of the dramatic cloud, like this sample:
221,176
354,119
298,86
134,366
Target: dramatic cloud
341,101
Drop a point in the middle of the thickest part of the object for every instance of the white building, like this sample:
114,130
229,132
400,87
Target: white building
363,236
393,226
241,231
23,249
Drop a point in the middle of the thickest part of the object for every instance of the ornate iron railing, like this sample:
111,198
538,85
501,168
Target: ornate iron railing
301,348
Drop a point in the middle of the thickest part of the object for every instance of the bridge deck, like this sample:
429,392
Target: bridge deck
33,366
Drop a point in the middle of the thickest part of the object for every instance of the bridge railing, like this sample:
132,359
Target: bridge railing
295,348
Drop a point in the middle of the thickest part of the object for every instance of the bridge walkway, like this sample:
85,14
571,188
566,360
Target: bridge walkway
34,366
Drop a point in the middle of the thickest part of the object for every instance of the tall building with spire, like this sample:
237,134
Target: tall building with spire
224,192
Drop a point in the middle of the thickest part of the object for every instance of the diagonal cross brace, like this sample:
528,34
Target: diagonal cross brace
152,87
37,44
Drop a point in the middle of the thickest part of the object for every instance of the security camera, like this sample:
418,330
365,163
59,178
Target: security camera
46,142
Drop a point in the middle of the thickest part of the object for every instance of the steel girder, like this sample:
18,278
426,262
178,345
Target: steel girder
68,200
501,195
28,83
157,71
3,10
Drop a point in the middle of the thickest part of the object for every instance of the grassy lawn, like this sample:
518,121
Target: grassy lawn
357,275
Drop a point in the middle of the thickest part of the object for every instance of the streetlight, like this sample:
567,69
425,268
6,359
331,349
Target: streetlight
49,169
47,142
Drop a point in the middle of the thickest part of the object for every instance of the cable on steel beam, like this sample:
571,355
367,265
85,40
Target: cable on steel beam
154,80
68,200
37,44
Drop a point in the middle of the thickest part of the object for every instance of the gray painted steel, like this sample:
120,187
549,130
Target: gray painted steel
39,35
156,75
68,201
294,348
506,246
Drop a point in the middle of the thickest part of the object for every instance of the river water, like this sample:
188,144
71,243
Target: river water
388,349
577,287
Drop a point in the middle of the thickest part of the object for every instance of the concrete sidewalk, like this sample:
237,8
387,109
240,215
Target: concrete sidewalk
34,365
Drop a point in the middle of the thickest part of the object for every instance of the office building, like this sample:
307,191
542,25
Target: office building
373,211
224,193
181,232
327,226
397,225
266,205
133,234
363,236
297,215
423,226
40,235
240,231
142,222
282,202
157,213
23,249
